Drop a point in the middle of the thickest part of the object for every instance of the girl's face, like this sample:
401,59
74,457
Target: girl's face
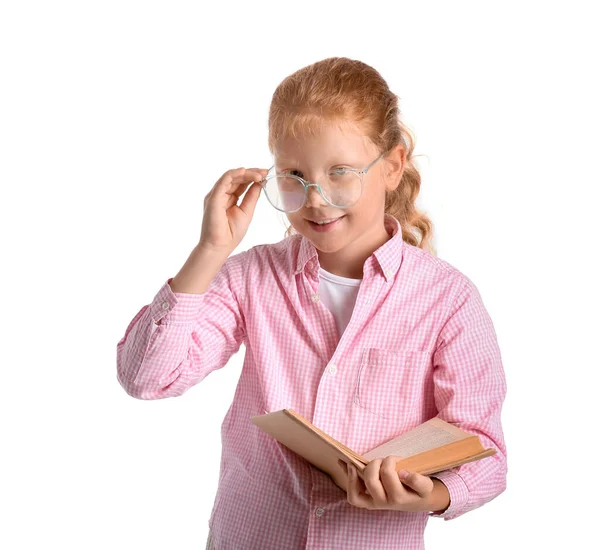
344,248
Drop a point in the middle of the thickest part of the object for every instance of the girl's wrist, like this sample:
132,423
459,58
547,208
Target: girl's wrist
439,498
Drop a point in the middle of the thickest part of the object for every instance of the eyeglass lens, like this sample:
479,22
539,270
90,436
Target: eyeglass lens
342,188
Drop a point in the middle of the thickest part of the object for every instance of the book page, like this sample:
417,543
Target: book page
423,438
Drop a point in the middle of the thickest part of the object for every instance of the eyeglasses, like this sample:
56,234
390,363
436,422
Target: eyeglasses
340,187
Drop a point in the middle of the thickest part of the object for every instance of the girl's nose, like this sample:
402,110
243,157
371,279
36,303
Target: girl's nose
314,198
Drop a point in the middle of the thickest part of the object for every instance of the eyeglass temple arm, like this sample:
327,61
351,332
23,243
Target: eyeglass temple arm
365,170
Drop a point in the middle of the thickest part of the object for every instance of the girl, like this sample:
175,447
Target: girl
354,323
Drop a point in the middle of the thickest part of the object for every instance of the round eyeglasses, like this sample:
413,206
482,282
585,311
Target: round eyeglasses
340,187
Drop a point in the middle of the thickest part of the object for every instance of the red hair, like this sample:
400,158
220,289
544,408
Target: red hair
338,90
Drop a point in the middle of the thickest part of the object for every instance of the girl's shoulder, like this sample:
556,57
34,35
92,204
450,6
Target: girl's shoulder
428,265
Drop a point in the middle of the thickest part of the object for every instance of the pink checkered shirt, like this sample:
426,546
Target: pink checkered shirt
420,343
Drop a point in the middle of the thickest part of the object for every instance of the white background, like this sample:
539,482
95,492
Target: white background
117,118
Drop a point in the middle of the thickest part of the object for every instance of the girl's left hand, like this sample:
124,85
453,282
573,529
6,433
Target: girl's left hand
387,489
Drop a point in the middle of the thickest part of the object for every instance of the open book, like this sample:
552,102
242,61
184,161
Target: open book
431,447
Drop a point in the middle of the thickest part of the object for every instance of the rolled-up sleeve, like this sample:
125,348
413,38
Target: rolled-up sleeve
175,341
469,390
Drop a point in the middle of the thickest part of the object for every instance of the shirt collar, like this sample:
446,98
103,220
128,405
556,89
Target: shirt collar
387,257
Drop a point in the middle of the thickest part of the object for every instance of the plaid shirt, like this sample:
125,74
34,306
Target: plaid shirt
420,343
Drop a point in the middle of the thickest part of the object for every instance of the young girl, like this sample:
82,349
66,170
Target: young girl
354,324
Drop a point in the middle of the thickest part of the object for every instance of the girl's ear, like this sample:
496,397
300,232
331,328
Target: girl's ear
394,165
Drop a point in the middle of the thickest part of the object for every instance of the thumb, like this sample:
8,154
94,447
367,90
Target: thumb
419,483
250,199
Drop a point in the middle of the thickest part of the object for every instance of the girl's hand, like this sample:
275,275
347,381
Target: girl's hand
385,489
225,223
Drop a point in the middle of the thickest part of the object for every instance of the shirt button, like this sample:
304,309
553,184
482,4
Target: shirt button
388,272
332,368
165,305
319,512
315,297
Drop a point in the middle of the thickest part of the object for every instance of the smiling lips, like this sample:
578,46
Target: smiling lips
325,219
320,227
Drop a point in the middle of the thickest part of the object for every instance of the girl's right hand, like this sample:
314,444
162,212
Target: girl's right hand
225,223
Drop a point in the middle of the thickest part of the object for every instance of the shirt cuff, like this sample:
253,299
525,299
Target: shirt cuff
175,307
459,494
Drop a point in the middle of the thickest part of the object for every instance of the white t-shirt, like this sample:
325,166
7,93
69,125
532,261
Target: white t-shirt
339,295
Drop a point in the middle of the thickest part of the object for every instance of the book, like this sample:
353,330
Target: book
431,447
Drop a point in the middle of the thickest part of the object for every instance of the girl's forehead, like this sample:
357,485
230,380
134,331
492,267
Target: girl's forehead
325,145
328,156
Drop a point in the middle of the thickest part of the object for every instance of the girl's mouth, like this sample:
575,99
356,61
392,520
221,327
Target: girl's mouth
325,226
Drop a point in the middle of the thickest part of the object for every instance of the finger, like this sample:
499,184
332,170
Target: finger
246,177
421,484
372,480
356,493
261,171
249,173
241,183
233,184
392,485
222,189
252,180
232,178
250,199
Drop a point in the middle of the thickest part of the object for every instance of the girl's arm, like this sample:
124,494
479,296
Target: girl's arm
177,340
469,390
439,498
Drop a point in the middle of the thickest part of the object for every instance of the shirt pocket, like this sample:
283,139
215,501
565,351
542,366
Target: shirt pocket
389,382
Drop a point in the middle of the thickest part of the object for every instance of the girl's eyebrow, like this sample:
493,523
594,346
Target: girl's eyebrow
295,163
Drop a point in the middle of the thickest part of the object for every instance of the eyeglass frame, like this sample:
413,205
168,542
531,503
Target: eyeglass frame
359,172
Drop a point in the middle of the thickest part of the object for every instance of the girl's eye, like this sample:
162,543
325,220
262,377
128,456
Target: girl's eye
340,170
289,173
